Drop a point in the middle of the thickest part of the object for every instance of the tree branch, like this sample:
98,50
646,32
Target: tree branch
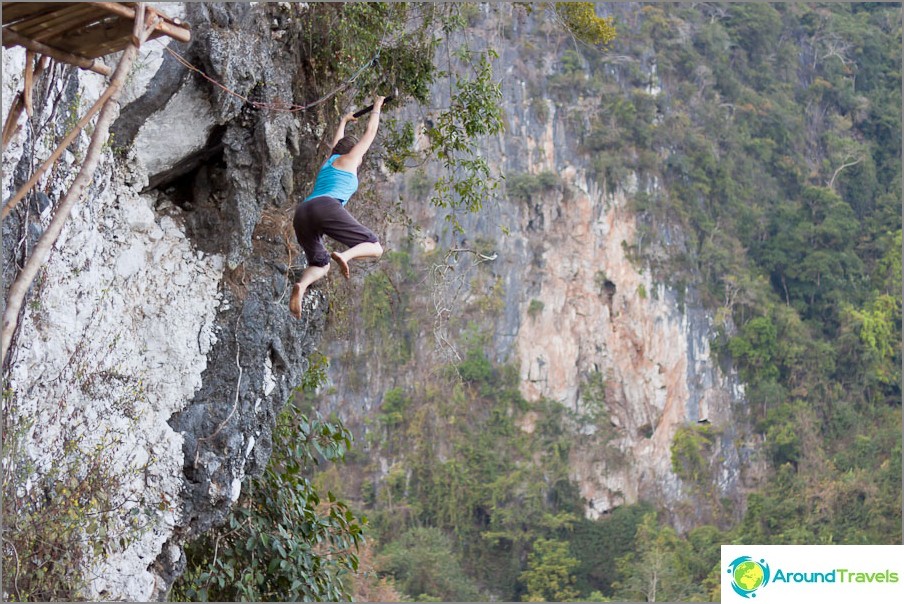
831,183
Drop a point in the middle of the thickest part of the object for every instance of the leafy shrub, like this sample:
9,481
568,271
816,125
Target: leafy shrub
282,541
581,19
395,403
525,186
690,450
476,367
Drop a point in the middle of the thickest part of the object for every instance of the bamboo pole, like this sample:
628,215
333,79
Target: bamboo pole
11,126
24,189
41,252
29,80
175,32
11,38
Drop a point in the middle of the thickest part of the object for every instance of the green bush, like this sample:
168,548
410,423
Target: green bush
690,451
282,540
549,576
525,187
395,404
476,367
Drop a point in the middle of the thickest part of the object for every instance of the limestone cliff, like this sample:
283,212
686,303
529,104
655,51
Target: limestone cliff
158,330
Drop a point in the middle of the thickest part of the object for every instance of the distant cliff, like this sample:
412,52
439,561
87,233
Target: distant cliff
575,303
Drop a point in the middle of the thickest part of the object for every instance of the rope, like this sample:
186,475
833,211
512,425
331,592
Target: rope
278,105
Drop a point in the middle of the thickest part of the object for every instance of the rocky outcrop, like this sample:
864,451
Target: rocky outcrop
159,328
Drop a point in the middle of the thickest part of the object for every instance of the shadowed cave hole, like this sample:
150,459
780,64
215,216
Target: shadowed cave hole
189,182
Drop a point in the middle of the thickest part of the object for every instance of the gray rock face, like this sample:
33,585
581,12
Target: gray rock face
178,258
252,370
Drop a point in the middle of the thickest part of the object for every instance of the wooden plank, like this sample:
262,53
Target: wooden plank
98,39
45,27
33,26
16,11
74,24
11,38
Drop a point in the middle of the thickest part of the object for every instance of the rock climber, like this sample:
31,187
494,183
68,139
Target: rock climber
323,211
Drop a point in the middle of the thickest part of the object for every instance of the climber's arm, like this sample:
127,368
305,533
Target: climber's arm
351,160
340,131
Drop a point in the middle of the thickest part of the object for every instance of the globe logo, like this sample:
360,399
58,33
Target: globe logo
748,575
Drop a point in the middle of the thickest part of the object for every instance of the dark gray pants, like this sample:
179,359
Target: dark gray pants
326,216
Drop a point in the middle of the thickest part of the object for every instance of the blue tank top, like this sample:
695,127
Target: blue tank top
333,182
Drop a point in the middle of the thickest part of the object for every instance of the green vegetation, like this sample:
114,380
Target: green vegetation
777,143
691,449
665,567
581,19
497,491
524,187
550,572
283,539
423,562
60,522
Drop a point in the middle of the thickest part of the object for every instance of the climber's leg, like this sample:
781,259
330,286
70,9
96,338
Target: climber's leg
309,276
368,249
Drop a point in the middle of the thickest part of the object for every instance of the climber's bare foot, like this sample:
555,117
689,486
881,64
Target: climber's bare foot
343,265
295,301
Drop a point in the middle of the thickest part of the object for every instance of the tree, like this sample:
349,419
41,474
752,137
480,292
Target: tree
550,572
653,571
425,567
580,19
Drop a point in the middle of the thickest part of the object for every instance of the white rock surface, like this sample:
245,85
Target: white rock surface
115,341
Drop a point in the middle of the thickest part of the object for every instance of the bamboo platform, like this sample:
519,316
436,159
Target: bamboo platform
79,32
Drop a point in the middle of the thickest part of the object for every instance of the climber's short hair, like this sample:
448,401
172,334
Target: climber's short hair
344,145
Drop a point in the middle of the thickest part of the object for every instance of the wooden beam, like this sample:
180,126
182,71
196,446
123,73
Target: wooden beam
171,27
11,38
